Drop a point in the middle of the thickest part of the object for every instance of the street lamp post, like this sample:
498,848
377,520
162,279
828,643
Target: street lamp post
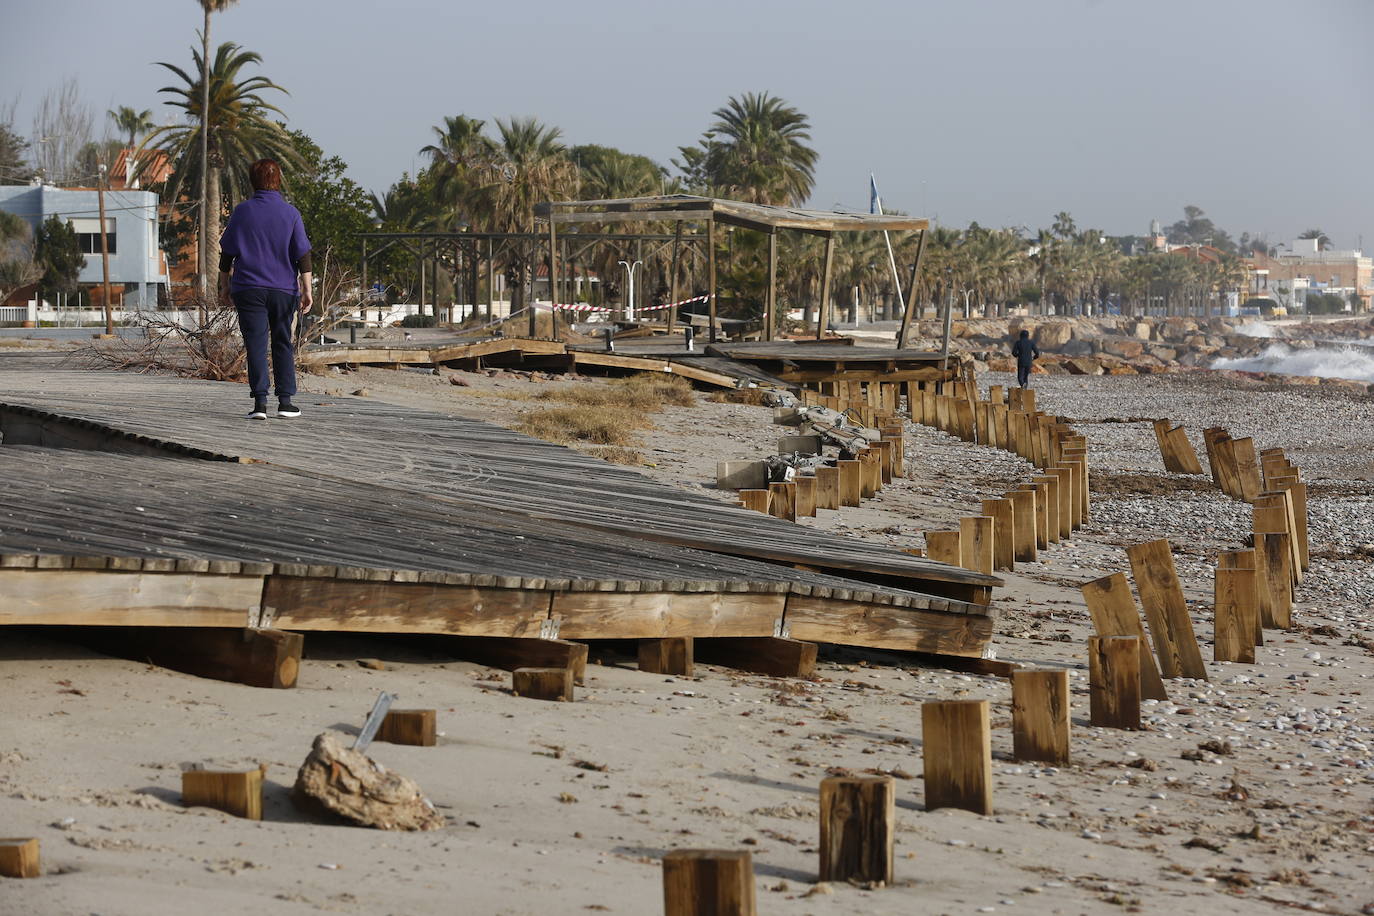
629,304
967,307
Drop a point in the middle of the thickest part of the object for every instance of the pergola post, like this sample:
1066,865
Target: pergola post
491,277
711,276
553,276
362,309
672,283
827,279
770,323
905,334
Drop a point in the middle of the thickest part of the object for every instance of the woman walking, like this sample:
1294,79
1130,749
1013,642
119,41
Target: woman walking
264,266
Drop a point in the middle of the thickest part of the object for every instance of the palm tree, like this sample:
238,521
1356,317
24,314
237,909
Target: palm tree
459,151
133,123
529,165
757,151
203,246
237,131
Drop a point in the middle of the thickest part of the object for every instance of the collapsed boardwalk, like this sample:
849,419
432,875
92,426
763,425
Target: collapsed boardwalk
320,526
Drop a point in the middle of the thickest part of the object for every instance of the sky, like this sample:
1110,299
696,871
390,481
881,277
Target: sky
1003,112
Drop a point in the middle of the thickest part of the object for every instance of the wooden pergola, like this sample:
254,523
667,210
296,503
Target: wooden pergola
680,208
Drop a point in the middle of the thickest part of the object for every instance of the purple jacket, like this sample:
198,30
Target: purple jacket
266,237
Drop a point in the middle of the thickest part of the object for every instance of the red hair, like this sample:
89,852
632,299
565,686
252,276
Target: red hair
265,175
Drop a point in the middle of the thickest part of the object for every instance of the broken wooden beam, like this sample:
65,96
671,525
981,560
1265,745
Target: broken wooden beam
254,657
543,683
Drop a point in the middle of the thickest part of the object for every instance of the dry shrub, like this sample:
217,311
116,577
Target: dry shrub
750,396
618,455
598,424
643,391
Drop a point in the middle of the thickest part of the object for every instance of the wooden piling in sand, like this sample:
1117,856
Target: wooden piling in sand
857,826
1040,716
708,882
238,793
668,655
956,741
1114,681
415,727
19,857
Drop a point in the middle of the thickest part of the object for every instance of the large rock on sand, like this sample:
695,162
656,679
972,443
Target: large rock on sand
1125,347
1053,335
348,783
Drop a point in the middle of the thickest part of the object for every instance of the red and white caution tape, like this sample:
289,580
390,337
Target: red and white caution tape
582,307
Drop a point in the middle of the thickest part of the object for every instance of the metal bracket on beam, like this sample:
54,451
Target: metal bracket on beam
548,628
781,630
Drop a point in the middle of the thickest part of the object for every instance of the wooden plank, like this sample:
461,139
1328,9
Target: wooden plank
1023,525
858,827
1114,613
1067,501
1054,523
956,748
1156,580
1234,602
881,626
1040,716
870,473
1114,681
776,656
1247,468
112,598
238,793
655,615
976,547
756,500
671,655
1185,456
708,882
404,607
1003,517
884,448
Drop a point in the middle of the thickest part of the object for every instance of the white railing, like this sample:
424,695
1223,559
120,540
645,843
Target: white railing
10,313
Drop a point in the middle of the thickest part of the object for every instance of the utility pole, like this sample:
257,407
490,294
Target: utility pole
105,255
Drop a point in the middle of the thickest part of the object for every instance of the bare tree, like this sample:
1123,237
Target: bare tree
62,127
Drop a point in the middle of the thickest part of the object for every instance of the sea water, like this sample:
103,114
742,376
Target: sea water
1341,359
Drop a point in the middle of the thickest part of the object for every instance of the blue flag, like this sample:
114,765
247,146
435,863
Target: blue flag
875,204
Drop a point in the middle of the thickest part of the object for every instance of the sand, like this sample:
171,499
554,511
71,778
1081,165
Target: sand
567,808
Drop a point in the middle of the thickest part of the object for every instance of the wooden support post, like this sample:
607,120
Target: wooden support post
770,655
1156,580
997,394
851,482
1066,499
805,506
1245,559
827,284
1114,613
1042,514
1003,517
976,543
509,653
257,658
944,547
1247,468
1053,526
884,449
1184,455
858,822
757,500
19,857
782,501
870,473
1274,512
543,683
1273,559
1040,716
237,793
670,655
708,882
894,434
827,487
1298,491
1023,525
1027,399
1114,681
1234,604
956,741
415,727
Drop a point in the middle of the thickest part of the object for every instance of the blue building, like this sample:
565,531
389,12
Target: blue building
137,265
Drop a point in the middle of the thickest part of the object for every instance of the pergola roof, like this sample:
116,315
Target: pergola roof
763,217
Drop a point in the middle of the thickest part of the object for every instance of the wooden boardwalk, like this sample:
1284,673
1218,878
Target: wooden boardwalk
370,516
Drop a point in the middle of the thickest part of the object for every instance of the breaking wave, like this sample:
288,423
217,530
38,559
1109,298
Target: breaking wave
1256,329
1345,362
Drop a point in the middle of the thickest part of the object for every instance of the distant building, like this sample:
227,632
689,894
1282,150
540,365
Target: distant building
1302,267
138,268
